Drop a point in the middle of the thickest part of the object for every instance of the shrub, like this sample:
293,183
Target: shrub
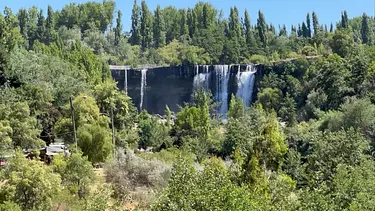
135,178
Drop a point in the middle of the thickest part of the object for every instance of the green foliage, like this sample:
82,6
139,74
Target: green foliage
94,137
270,98
19,126
211,188
29,184
76,173
152,132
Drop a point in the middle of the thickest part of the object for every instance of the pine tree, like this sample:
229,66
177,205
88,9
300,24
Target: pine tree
308,24
344,20
135,38
184,29
146,26
262,28
331,28
118,28
159,29
315,23
365,30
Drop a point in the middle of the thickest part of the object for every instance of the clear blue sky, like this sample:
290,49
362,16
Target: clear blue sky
276,11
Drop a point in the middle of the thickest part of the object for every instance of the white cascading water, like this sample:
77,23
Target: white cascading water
245,82
222,79
143,86
201,80
126,80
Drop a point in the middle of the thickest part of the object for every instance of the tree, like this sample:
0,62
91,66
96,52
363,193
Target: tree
135,38
192,22
308,25
342,42
365,30
327,150
189,189
50,34
250,39
184,29
5,137
159,28
76,173
24,127
41,30
262,28
23,21
118,29
344,20
93,134
305,30
270,98
288,110
315,23
29,183
146,26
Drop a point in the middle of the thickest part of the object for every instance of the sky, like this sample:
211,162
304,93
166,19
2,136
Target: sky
277,12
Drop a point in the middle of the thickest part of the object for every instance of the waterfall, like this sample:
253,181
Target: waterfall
222,82
126,80
143,86
245,83
201,80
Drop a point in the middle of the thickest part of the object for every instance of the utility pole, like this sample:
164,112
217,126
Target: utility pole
73,122
113,132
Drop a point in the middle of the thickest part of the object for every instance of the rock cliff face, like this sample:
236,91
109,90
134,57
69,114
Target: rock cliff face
152,89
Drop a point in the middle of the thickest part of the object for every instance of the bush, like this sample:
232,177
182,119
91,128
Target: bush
131,176
258,59
309,51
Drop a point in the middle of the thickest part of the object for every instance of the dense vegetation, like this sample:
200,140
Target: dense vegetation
307,143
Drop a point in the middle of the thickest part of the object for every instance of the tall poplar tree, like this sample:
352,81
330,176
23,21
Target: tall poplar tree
41,27
250,39
315,23
135,38
308,25
262,28
365,30
305,30
184,29
159,28
118,28
344,20
146,26
22,21
192,22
